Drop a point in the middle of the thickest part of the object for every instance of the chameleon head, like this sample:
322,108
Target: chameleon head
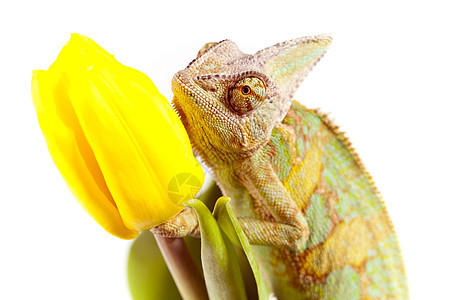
229,101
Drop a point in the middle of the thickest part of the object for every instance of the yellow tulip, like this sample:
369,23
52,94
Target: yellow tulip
115,139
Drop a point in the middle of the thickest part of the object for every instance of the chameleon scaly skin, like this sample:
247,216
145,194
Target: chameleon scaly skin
301,194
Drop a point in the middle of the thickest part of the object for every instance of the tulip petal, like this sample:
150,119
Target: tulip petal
115,139
121,159
137,139
72,154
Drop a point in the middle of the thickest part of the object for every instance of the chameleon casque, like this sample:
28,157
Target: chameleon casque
318,225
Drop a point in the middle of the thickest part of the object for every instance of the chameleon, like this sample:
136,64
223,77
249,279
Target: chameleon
305,201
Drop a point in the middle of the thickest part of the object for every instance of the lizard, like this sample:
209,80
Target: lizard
305,201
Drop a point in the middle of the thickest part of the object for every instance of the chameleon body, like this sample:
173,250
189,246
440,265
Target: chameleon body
301,194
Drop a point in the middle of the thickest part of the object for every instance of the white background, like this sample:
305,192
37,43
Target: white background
385,81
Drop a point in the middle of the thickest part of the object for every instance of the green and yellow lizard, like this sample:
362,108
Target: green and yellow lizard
301,194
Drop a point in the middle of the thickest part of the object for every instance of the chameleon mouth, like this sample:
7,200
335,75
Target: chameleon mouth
181,92
179,110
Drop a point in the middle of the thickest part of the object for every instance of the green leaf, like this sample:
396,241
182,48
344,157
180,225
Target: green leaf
230,225
148,276
220,265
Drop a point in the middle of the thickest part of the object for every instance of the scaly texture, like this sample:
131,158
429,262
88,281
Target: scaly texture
299,191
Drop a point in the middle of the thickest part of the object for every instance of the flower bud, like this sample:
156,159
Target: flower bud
115,139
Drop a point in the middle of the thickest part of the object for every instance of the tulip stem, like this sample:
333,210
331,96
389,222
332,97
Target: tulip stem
187,277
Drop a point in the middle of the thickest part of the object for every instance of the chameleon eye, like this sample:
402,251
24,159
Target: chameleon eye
246,94
246,90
